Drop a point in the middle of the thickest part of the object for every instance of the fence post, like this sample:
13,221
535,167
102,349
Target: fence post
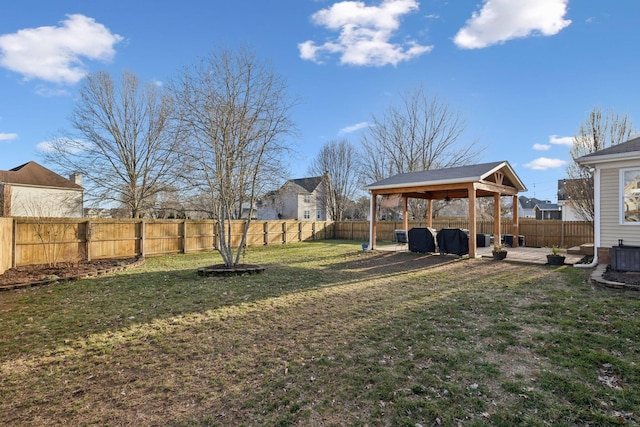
87,241
284,232
14,243
184,236
265,233
142,231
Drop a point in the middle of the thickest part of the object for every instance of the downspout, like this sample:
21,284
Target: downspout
596,221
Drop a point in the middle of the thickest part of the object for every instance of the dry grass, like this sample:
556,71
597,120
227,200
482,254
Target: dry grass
328,336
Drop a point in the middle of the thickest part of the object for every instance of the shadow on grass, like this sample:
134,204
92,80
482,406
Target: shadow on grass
44,319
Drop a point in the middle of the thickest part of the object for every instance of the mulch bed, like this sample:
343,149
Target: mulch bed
626,277
236,270
33,275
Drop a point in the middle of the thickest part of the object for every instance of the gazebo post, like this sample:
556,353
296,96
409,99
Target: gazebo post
497,238
472,222
372,221
429,213
405,209
516,221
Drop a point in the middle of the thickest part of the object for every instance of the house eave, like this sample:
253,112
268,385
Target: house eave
46,187
595,160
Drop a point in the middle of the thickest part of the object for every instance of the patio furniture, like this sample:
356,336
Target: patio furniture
483,240
453,241
507,239
401,237
422,240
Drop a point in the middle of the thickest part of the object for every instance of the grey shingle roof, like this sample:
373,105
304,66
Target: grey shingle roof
629,146
32,173
547,206
309,184
471,173
529,202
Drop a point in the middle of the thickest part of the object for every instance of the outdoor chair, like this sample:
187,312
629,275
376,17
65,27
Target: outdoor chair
402,239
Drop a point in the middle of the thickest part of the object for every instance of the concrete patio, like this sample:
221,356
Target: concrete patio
519,254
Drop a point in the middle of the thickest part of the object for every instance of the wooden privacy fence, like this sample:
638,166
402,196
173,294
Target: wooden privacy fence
27,241
537,233
6,237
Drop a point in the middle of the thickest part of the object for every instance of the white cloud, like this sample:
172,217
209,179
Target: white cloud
55,54
365,34
353,128
541,147
49,92
45,147
72,146
544,163
8,136
502,20
561,140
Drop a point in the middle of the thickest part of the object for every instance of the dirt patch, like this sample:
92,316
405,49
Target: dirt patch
34,274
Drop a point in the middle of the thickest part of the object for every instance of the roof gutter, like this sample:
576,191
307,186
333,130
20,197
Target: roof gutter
595,159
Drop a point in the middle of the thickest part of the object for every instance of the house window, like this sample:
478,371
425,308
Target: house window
307,214
319,214
307,198
630,191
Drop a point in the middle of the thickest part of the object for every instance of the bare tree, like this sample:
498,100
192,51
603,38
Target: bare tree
337,160
422,133
123,144
598,131
235,111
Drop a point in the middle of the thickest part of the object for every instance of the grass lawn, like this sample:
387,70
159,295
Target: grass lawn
328,336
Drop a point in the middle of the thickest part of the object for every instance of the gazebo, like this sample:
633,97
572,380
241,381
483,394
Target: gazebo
494,179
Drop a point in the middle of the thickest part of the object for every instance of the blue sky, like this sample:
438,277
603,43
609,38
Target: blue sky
524,74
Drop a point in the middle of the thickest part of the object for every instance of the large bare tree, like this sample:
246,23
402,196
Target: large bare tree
236,114
598,131
122,142
421,133
337,161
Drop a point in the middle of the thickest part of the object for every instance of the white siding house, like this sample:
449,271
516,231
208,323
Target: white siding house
32,190
301,199
570,208
526,207
616,172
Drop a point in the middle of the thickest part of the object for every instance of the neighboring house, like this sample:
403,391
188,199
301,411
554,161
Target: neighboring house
547,210
32,190
301,199
526,207
616,179
530,207
570,211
